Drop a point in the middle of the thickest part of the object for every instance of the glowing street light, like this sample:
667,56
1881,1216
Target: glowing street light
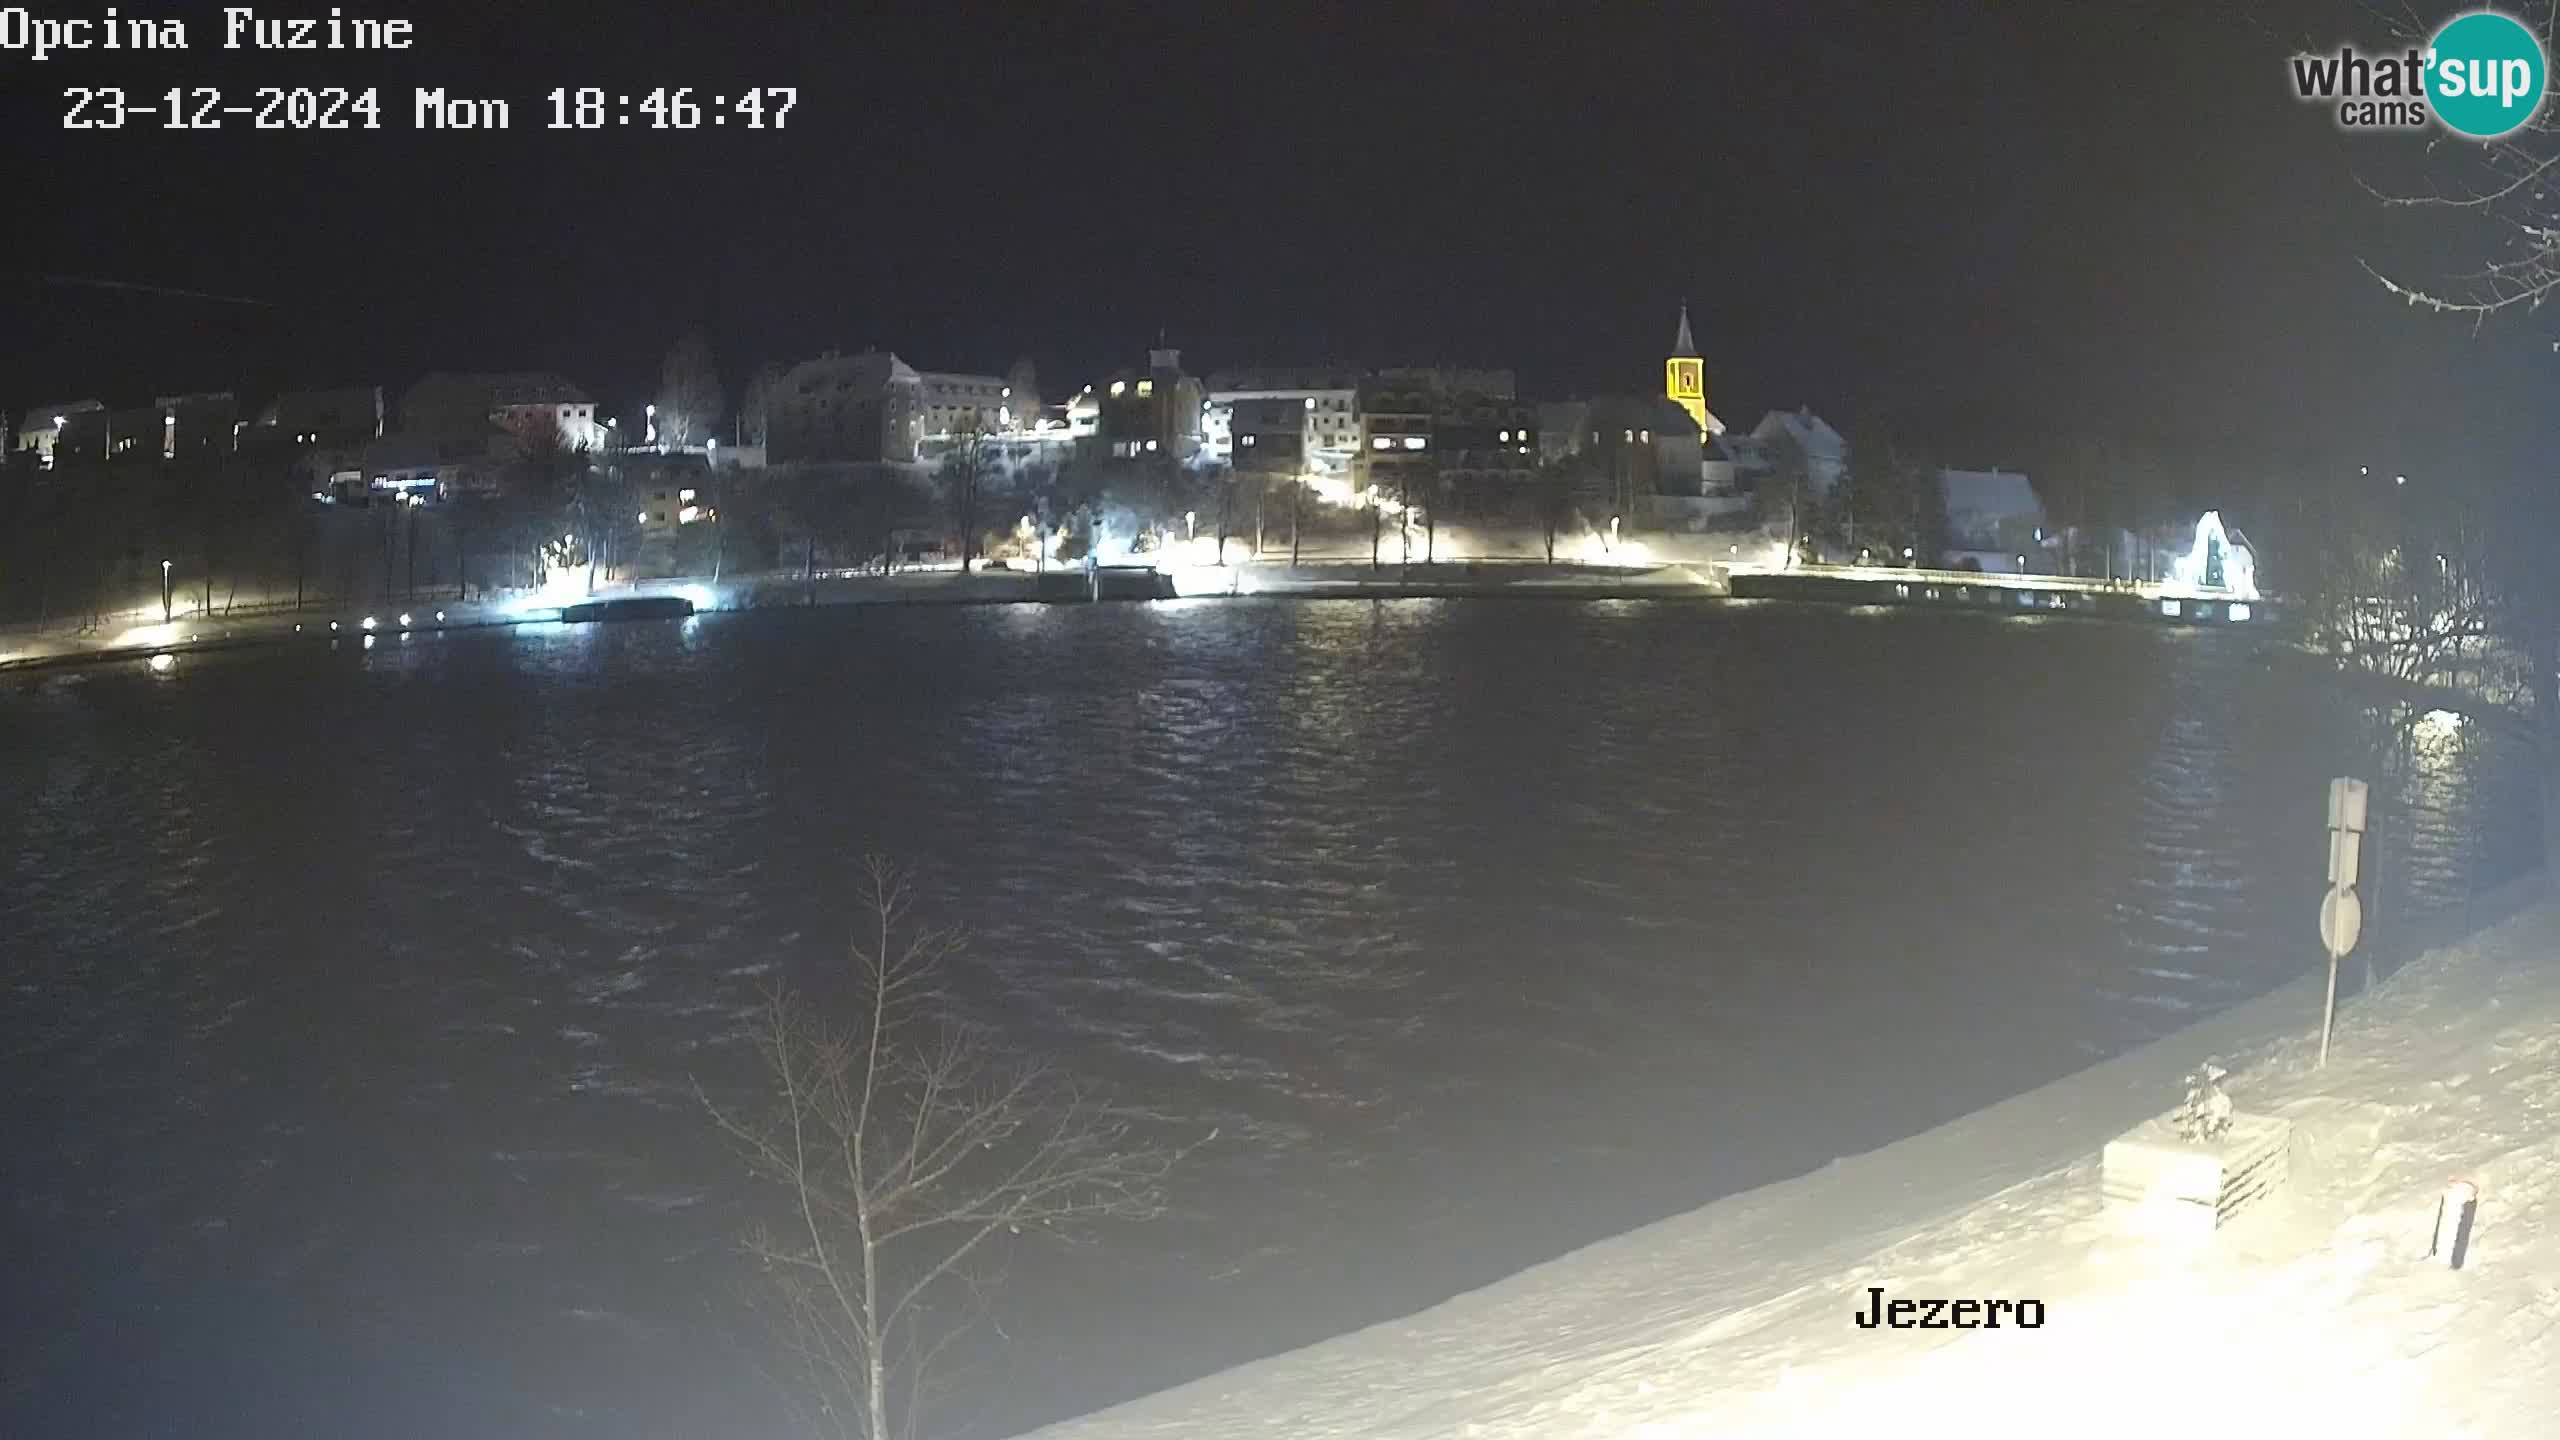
2399,479
164,592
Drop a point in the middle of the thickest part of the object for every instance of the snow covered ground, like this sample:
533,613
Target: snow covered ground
2317,1314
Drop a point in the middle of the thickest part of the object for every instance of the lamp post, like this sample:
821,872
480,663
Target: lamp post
164,592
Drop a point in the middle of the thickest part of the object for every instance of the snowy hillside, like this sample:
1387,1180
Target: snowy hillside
2315,1315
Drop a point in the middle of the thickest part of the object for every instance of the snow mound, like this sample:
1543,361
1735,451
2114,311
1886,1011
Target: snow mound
2315,1313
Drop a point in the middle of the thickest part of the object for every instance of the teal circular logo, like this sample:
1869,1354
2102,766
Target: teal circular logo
2484,75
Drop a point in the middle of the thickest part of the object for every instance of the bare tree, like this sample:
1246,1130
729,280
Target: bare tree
2486,622
2507,185
755,407
964,475
689,394
906,1163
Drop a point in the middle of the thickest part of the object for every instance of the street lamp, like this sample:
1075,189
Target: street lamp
653,424
164,592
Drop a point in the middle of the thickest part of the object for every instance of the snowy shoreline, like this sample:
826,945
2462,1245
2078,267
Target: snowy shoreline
1737,1318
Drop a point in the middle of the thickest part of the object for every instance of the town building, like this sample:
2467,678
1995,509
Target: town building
950,404
1994,520
859,409
1154,414
1485,449
1636,457
874,408
1271,433
128,435
40,430
1330,396
454,405
349,415
1825,453
197,427
1395,459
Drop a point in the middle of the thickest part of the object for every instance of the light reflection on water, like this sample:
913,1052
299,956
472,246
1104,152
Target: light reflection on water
358,998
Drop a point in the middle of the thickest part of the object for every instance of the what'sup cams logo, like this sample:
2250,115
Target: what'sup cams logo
2481,76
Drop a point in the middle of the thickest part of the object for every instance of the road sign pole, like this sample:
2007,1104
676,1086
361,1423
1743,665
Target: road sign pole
2329,1008
2341,914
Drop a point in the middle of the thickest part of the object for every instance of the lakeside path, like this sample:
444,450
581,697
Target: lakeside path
136,636
2316,1314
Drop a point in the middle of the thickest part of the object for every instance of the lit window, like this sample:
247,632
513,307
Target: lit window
1382,443
1648,436
1146,387
1151,445
1503,436
688,514
644,517
1248,440
1117,386
2170,607
1413,442
1631,437
685,496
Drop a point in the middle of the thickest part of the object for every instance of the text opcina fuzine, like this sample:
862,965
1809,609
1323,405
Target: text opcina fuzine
242,27
1878,1313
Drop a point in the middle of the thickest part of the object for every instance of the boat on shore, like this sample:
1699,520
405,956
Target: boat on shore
629,607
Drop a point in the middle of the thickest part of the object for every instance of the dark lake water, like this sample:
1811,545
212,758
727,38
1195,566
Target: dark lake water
356,999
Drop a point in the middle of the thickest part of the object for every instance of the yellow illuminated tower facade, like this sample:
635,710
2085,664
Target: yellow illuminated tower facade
1684,375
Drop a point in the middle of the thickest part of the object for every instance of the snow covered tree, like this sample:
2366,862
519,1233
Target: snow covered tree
906,1153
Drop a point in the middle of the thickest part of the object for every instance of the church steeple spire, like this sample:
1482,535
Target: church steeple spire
1684,376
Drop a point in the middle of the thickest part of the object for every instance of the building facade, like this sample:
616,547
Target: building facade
40,430
1153,414
350,415
862,409
454,405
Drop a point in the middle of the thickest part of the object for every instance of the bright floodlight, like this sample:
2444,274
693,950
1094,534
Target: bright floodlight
404,619
368,622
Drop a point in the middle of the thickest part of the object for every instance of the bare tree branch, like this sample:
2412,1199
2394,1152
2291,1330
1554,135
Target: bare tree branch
907,1154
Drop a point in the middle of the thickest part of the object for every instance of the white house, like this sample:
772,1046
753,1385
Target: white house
1993,517
1826,454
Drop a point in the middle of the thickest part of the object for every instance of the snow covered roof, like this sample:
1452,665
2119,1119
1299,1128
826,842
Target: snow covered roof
1809,430
1988,495
868,373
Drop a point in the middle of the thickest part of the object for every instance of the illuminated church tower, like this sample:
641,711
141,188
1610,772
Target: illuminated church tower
1684,376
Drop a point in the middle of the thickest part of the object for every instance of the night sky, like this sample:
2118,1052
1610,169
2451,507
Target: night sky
2007,230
